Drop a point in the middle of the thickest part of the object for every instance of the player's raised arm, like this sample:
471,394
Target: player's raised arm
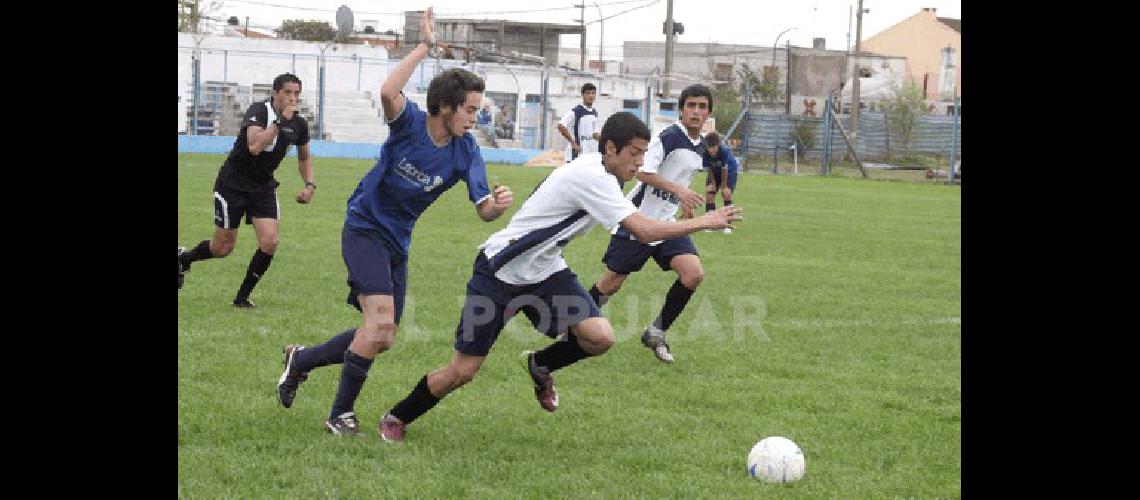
390,97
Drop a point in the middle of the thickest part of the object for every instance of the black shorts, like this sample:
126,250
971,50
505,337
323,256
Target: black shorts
625,256
552,305
716,178
230,204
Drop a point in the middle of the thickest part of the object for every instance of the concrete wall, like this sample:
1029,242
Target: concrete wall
920,38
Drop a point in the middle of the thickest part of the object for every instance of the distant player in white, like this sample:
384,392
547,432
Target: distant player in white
580,125
663,186
520,268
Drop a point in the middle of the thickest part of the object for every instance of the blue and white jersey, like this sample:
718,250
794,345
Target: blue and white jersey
672,154
410,174
565,205
582,122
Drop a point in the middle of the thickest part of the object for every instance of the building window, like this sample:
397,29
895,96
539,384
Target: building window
667,106
631,104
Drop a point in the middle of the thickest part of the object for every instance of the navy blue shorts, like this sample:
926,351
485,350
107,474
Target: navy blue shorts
373,268
625,256
552,306
716,176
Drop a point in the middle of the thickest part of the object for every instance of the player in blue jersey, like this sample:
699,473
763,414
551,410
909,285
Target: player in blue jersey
424,156
521,268
722,168
663,186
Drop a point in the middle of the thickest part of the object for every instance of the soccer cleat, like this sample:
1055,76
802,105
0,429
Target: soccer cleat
544,390
344,425
391,429
289,382
244,304
728,230
654,339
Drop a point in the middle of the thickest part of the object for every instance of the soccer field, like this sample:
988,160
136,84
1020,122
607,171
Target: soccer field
831,316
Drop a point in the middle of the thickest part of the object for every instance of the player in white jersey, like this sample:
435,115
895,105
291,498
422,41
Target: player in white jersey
520,268
580,125
663,186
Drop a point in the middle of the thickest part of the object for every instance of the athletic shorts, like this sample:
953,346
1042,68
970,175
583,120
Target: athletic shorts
552,306
625,256
716,178
231,204
373,268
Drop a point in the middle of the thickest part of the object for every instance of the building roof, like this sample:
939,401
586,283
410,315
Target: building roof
955,24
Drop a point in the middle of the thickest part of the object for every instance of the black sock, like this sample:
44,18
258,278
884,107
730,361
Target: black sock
561,354
200,252
352,376
257,267
675,302
418,402
728,203
709,207
330,352
599,298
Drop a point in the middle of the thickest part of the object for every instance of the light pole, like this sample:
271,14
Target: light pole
777,42
602,42
774,76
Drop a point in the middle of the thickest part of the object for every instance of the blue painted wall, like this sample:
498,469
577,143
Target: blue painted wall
330,149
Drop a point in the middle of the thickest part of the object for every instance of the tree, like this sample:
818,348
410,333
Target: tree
310,31
726,105
191,13
803,134
904,110
766,89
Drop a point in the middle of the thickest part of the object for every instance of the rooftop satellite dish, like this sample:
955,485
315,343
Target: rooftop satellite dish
344,22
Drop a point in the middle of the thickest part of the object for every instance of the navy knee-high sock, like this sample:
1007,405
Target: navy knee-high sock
330,352
675,302
599,298
257,267
561,354
353,373
418,402
709,207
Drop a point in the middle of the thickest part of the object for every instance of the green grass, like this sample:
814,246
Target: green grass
857,357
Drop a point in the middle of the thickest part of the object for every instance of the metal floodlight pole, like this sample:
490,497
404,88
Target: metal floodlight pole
855,76
668,50
195,80
602,41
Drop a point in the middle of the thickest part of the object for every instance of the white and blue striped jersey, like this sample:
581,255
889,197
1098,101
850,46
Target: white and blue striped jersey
672,154
565,205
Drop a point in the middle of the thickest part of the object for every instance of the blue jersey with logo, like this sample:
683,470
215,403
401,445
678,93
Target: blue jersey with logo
723,158
410,174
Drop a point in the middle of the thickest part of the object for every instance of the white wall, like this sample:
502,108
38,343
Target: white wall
248,61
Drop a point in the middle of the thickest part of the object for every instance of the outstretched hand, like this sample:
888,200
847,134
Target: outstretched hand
722,217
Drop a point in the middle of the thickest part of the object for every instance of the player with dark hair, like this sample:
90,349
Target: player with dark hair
663,185
521,268
245,183
583,118
425,155
722,168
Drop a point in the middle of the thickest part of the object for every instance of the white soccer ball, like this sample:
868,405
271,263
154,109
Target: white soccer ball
776,460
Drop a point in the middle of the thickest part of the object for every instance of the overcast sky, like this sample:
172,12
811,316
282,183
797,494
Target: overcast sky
749,22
